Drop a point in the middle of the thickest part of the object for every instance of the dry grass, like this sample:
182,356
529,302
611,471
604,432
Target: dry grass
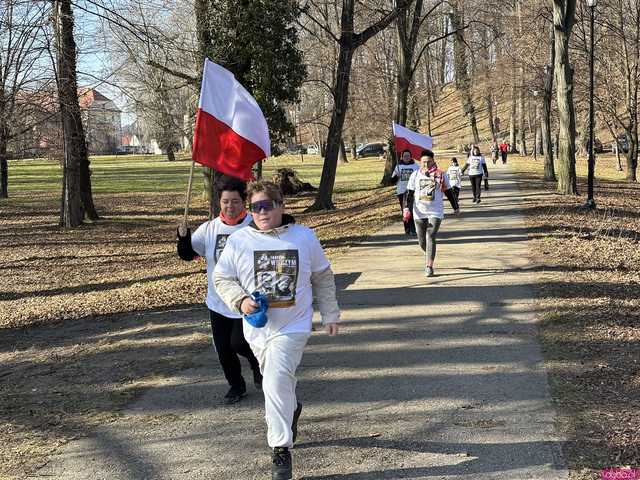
590,291
91,317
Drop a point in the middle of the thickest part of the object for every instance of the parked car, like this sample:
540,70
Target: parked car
313,149
127,150
297,149
623,143
371,150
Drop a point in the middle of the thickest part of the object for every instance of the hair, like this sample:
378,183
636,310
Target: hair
405,150
231,184
426,153
454,160
272,190
474,149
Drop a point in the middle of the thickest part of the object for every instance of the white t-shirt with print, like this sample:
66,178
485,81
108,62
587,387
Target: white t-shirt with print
209,241
455,176
475,163
428,196
403,172
279,266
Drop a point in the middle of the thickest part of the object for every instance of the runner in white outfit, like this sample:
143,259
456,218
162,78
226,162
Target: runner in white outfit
284,262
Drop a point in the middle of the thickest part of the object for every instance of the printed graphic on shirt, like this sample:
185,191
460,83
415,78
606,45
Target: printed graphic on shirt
276,276
474,163
454,175
427,189
405,174
221,242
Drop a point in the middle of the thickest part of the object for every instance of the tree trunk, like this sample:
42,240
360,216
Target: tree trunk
549,168
523,108
461,68
492,126
563,20
442,67
632,154
4,164
72,211
341,93
512,114
354,147
342,153
171,156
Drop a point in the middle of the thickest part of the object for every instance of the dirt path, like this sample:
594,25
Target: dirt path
431,378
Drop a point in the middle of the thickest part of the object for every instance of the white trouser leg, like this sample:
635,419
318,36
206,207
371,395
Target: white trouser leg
279,359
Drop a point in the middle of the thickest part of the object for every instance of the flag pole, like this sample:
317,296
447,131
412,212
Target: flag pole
186,206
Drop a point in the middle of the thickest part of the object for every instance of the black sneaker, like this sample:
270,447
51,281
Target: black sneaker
257,379
294,424
478,201
234,395
281,464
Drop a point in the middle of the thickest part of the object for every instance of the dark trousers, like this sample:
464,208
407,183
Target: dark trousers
229,341
504,157
456,192
476,185
409,227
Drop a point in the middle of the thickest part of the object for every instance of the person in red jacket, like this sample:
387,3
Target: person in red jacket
504,151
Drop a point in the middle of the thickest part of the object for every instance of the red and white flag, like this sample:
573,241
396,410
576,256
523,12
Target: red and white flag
406,139
231,132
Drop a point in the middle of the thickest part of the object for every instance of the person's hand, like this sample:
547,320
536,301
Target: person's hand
248,306
182,230
331,328
406,215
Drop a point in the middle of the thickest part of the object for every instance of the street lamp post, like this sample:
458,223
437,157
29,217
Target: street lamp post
590,201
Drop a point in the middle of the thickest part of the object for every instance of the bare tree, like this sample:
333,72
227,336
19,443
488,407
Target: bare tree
348,41
24,75
620,72
462,67
75,148
563,21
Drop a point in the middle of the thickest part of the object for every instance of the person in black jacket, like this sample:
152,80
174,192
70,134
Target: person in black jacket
208,241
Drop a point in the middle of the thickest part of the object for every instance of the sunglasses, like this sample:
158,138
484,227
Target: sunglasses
263,205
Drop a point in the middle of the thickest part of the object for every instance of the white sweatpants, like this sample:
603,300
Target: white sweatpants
279,358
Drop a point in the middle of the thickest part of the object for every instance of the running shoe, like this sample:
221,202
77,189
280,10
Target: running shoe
234,395
428,272
281,464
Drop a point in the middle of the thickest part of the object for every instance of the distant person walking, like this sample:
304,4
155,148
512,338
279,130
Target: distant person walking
504,151
402,173
455,177
424,202
477,167
495,152
291,256
208,241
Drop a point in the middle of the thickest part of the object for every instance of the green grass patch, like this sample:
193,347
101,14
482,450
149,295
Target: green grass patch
154,173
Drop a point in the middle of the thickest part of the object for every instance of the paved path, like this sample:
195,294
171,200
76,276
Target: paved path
432,378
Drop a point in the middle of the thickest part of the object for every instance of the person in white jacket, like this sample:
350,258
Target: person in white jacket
455,177
285,263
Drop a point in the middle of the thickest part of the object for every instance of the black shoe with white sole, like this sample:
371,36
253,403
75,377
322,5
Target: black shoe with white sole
281,464
234,395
